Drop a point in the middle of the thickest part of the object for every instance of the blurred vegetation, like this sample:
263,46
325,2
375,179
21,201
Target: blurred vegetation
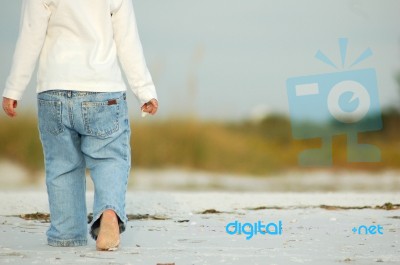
247,147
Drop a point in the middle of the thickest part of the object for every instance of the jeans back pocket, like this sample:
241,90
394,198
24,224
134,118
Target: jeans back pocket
50,117
101,119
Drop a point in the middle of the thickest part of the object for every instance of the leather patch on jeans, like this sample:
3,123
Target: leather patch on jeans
112,102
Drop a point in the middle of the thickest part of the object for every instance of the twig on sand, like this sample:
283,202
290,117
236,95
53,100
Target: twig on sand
43,217
387,206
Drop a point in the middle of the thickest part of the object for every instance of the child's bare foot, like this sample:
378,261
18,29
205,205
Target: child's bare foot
108,238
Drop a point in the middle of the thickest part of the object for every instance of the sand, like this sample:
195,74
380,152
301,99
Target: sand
189,228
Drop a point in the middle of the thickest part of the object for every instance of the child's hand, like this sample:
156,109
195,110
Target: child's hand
9,106
150,107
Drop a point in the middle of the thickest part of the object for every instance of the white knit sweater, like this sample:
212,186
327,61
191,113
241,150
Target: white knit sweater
78,42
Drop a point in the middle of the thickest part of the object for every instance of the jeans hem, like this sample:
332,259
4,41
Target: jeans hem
66,243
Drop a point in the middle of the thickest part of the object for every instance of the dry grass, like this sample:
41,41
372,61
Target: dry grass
19,142
242,148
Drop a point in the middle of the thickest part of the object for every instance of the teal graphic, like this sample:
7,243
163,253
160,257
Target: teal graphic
341,102
253,229
368,230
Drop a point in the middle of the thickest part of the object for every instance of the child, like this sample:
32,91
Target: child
83,117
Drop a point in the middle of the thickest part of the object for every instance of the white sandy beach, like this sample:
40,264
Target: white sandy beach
179,217
178,231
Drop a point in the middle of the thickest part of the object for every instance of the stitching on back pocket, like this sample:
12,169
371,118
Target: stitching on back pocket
51,118
100,118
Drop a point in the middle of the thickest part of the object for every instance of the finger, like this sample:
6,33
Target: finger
5,106
145,106
150,107
13,105
153,110
146,109
10,113
154,103
9,106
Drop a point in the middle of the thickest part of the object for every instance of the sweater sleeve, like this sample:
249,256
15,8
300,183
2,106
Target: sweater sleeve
35,15
130,52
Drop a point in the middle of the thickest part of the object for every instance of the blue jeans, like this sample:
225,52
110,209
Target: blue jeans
82,130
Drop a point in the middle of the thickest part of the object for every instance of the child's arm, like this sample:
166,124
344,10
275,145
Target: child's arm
34,20
130,53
